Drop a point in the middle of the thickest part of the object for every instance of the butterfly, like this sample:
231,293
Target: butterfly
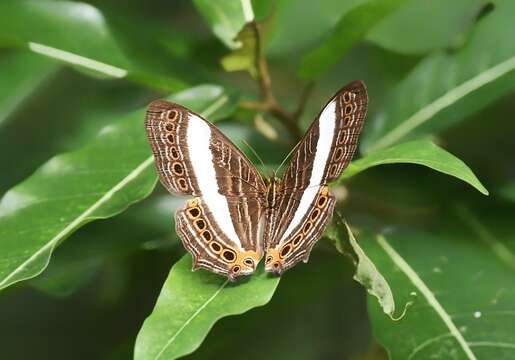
235,216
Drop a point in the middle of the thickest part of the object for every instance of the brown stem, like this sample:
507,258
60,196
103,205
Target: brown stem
269,103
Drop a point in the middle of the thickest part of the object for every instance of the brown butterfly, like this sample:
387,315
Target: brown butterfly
235,216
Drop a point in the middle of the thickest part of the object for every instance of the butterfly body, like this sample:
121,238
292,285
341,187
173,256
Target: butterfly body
235,216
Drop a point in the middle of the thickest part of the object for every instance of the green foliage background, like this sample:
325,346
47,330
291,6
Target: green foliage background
90,266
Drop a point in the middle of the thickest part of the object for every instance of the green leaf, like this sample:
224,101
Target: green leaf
443,89
463,307
508,191
411,29
226,18
74,33
22,73
243,58
368,276
351,28
421,152
287,37
74,263
189,305
366,272
97,181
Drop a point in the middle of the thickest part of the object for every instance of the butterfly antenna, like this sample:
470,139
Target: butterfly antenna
286,158
255,153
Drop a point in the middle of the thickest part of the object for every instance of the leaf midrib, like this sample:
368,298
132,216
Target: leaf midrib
444,101
428,294
79,219
190,319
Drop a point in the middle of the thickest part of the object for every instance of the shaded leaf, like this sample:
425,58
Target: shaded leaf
443,89
189,305
22,73
143,226
421,152
366,272
368,276
350,29
464,302
288,37
226,18
97,181
508,191
74,33
411,29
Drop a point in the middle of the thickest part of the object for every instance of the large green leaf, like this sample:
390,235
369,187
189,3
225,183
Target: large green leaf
74,33
75,262
421,152
464,298
189,305
97,181
287,37
22,73
351,28
411,29
445,88
226,18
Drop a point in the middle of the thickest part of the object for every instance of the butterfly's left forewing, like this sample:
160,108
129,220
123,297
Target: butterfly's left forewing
222,225
305,204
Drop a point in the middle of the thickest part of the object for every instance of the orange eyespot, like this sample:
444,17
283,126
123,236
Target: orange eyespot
314,214
248,262
216,247
169,126
182,184
172,115
307,227
229,255
333,169
200,224
285,250
170,138
194,212
338,154
322,201
177,169
296,239
341,136
174,153
235,269
268,259
206,235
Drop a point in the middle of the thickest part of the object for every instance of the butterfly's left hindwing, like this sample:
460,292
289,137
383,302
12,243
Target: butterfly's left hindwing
211,247
320,157
192,157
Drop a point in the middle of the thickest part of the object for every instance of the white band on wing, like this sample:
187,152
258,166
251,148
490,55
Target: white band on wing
198,138
326,126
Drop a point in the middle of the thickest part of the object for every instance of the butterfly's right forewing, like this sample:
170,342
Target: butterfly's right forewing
305,204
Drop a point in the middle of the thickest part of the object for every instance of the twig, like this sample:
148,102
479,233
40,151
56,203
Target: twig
269,103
